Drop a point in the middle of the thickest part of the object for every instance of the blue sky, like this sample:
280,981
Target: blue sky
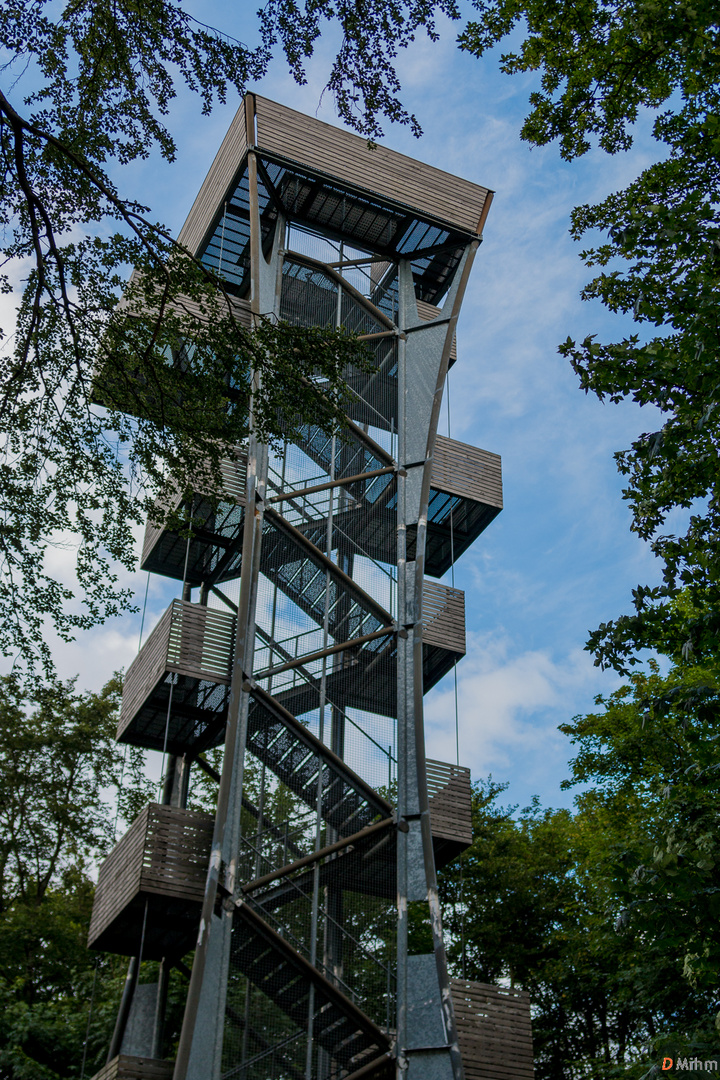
560,558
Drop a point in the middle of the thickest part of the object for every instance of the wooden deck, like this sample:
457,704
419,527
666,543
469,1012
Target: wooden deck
165,551
190,652
161,861
384,172
450,797
467,471
494,1030
190,640
443,617
465,496
136,1068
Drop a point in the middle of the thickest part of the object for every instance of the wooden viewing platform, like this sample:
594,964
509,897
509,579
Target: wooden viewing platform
402,204
450,800
217,524
136,1068
494,1029
189,653
155,875
465,491
162,860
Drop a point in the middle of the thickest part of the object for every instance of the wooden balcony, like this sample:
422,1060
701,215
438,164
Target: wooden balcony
367,683
136,1068
217,530
450,797
443,617
465,495
161,862
188,655
327,178
125,381
494,1031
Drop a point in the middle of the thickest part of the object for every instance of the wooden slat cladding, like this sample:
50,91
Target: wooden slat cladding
450,797
153,532
176,852
234,477
233,471
494,1030
464,470
201,642
186,305
136,1068
146,671
441,773
239,308
216,184
164,853
119,877
189,640
380,171
443,616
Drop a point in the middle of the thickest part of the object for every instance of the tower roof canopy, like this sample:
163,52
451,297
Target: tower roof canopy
331,180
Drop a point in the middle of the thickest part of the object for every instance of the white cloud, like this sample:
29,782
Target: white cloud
510,702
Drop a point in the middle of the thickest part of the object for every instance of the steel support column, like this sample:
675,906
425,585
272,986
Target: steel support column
427,1037
200,1047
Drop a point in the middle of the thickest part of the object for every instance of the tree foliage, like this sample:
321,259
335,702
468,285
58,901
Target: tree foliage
567,905
634,973
529,902
655,744
607,914
86,89
602,66
56,761
64,786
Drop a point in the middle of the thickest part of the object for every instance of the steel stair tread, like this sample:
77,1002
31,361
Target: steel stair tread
339,1026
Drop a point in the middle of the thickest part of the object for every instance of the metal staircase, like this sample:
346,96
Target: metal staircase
310,1001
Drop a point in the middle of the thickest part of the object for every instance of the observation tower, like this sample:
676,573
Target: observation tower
310,622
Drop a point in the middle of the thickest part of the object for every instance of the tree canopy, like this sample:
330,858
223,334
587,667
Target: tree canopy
56,760
603,65
605,914
90,88
86,89
628,969
65,789
654,747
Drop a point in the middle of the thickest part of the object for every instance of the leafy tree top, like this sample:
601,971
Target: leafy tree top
102,80
602,64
